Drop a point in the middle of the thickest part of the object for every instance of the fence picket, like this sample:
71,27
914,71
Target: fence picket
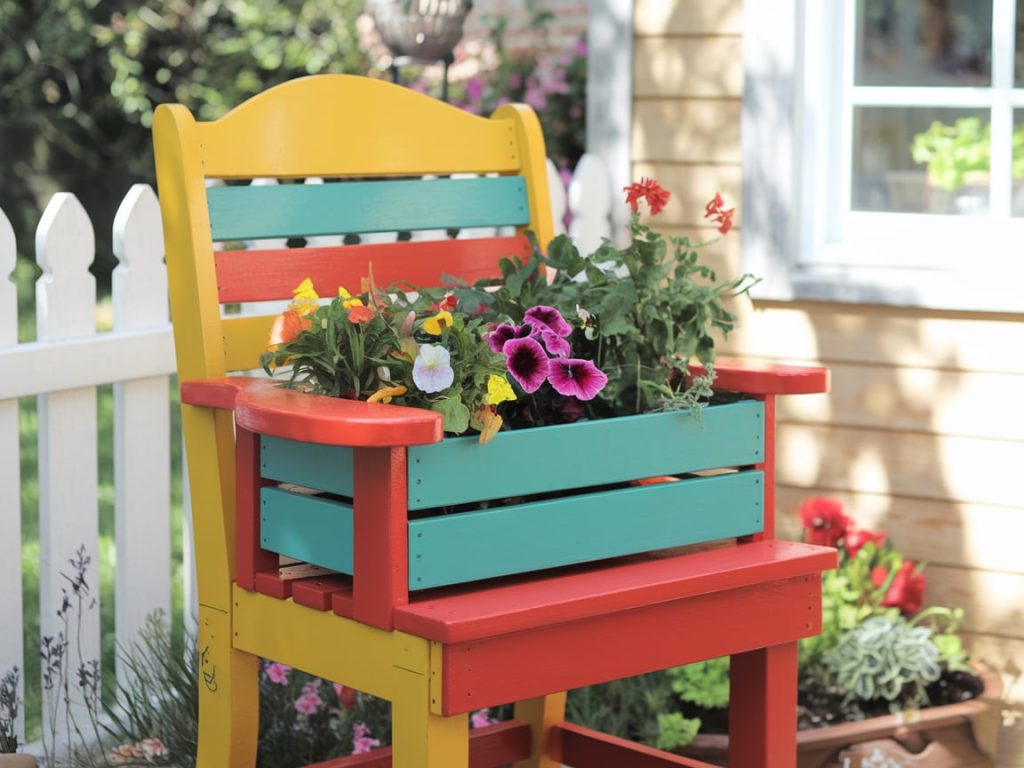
68,514
11,650
142,424
590,199
556,192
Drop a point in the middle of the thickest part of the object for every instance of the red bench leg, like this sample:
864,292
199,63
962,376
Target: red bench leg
762,708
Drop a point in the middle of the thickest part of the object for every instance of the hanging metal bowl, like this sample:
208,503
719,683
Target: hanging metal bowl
421,29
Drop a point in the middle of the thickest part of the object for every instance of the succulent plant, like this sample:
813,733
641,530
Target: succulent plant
885,658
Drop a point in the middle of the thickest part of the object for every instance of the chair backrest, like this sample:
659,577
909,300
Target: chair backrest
372,142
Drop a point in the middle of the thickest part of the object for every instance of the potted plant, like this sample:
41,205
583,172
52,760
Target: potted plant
426,30
886,677
8,723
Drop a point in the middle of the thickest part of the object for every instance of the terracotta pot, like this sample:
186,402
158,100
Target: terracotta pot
17,761
951,736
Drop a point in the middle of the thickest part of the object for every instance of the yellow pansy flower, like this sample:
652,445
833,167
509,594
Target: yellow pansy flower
305,299
347,301
384,394
434,325
498,390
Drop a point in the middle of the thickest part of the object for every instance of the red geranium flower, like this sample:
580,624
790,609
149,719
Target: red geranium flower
824,521
717,212
907,589
855,539
649,190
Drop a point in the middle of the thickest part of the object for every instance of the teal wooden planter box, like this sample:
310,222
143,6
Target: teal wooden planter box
554,495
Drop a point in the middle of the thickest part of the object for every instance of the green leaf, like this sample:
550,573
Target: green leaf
676,731
456,415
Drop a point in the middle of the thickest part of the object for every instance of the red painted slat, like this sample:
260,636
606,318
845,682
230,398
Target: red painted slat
262,406
611,646
583,747
762,732
261,275
467,614
280,581
493,745
380,546
249,556
754,377
317,593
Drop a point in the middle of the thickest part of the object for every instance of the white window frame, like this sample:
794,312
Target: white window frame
799,233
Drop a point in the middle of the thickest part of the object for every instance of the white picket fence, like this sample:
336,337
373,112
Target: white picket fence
64,367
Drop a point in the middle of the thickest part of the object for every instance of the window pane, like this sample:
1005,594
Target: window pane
920,160
1019,49
924,42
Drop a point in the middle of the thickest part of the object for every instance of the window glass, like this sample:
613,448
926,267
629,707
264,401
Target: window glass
925,42
920,160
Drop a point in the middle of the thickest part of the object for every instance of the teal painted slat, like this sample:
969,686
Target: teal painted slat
297,210
527,461
452,549
313,530
323,467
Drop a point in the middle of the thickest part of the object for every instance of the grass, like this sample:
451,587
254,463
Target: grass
25,275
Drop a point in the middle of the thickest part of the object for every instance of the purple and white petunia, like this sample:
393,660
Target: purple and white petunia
555,345
527,361
547,317
579,378
499,334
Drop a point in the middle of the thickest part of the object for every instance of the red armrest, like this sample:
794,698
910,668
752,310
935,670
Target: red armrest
260,405
761,378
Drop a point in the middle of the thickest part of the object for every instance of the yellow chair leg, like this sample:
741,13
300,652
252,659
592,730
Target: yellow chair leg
420,738
229,696
542,713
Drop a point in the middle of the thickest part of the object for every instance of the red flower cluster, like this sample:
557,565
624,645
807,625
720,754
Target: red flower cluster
649,190
907,589
716,211
854,539
824,521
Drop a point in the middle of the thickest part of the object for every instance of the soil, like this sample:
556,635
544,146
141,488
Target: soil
819,706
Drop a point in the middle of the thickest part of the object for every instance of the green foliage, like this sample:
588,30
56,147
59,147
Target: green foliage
952,151
705,683
886,657
9,710
676,731
79,80
625,708
642,312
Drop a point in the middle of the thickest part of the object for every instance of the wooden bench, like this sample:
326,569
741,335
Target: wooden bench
380,603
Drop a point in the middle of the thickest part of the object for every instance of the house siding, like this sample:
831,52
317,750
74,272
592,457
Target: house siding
920,435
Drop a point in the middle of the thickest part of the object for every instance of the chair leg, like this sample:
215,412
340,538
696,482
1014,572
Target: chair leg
542,713
762,707
420,738
228,696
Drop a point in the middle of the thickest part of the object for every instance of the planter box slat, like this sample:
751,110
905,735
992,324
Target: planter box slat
324,467
452,549
317,531
528,461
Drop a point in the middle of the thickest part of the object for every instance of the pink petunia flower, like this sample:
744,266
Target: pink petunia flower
497,335
527,361
309,703
361,741
541,317
579,378
278,673
554,344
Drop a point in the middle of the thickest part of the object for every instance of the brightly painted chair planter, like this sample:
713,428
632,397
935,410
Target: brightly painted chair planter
396,582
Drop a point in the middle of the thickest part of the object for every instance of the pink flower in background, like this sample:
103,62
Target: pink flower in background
515,81
278,673
581,47
153,747
313,686
481,719
579,378
502,102
361,741
346,695
474,89
535,96
309,703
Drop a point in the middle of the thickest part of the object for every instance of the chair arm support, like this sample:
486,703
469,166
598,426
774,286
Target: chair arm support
754,377
261,406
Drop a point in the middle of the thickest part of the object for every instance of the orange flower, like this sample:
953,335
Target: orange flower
287,326
360,314
719,214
